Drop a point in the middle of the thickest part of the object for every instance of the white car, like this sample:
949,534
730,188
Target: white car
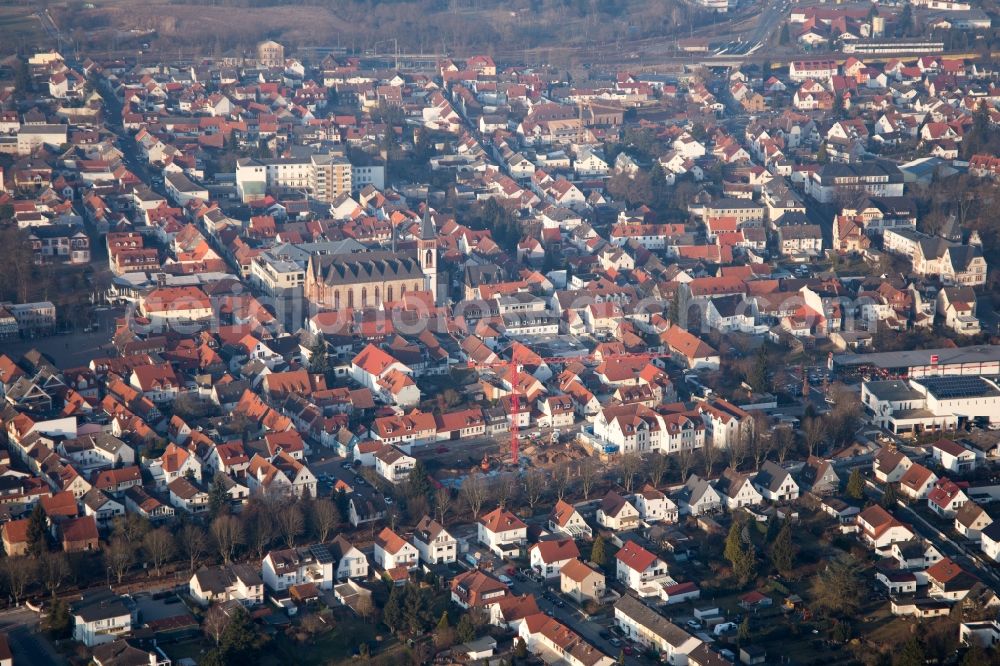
505,579
724,628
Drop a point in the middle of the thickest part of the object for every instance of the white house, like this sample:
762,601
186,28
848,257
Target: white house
235,582
699,496
385,376
970,520
953,456
99,617
879,529
282,569
392,464
567,520
737,490
434,543
645,626
617,513
548,557
502,532
351,562
990,541
917,482
392,551
946,498
654,506
889,466
775,483
641,570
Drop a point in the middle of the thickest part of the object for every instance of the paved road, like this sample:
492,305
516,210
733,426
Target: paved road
30,647
571,616
943,542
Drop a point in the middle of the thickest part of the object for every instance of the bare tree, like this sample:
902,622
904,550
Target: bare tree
737,447
118,557
562,477
216,621
474,493
505,489
325,518
262,527
292,523
656,467
130,527
709,455
534,487
364,607
159,546
228,534
761,441
19,571
783,439
193,543
442,503
685,461
589,473
814,431
629,467
55,571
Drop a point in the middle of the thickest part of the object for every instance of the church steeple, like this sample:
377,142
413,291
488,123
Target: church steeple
427,230
427,251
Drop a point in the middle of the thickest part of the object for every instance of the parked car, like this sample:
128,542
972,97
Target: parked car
724,628
693,624
615,642
505,579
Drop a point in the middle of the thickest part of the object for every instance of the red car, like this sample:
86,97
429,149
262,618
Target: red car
442,449
627,650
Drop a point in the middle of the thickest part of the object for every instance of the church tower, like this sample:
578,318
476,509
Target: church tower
427,252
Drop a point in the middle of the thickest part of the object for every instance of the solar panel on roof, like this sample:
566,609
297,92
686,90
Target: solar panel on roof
957,387
321,553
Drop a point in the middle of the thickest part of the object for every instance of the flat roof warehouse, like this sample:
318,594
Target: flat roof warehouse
977,360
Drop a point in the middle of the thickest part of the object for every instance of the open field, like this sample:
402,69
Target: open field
19,29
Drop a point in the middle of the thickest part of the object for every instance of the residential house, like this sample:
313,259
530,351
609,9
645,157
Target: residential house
566,519
654,506
970,521
953,457
917,482
99,616
351,562
880,529
737,490
548,557
947,580
434,543
617,513
640,570
313,565
581,582
393,465
393,551
476,589
502,532
890,465
775,483
699,496
819,476
642,624
233,582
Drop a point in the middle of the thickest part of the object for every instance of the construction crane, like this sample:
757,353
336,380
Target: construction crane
514,369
